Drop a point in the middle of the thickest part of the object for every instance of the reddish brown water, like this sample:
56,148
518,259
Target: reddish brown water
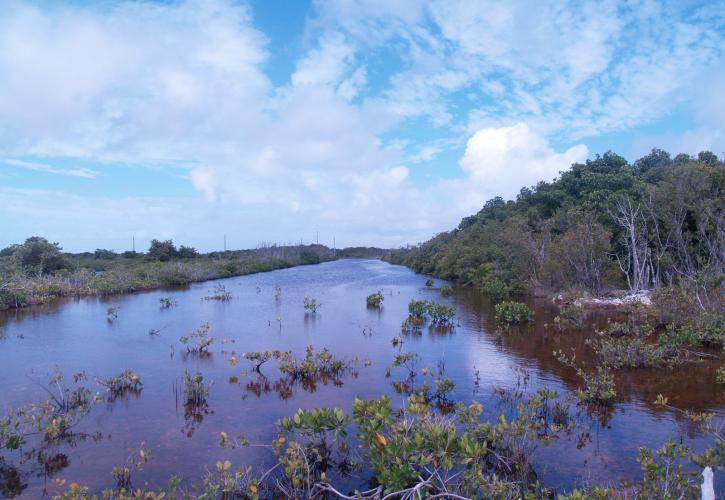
75,335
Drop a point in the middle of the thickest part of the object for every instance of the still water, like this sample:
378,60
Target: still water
74,335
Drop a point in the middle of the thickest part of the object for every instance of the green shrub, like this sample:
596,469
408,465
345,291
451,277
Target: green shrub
417,308
375,299
513,312
429,282
446,290
311,304
440,314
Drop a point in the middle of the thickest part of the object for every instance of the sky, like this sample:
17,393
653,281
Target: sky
366,122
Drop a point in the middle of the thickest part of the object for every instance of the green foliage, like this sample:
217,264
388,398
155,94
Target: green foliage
440,314
311,304
163,250
219,293
599,387
199,340
375,299
195,389
126,382
38,256
419,311
166,303
315,364
446,290
429,282
509,313
104,273
565,234
571,316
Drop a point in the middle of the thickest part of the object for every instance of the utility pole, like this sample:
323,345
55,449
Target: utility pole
317,237
134,243
334,246
225,243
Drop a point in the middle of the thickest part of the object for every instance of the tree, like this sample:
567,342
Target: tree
657,158
187,252
707,157
162,250
37,255
103,254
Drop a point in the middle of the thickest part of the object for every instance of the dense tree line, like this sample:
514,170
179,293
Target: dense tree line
602,225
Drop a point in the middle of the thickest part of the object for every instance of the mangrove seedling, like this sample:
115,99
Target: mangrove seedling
510,312
429,282
311,304
111,313
166,302
195,389
127,381
220,293
446,290
440,314
199,341
375,299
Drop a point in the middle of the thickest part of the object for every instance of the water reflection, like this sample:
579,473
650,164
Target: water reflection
266,313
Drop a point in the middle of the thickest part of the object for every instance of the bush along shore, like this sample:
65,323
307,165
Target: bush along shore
606,233
37,270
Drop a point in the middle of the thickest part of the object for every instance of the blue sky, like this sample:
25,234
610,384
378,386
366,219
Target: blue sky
370,121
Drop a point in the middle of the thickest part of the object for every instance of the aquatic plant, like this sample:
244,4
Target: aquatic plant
571,316
125,382
195,389
512,313
314,364
259,358
199,341
440,314
446,290
632,352
599,387
375,299
429,282
311,304
166,303
220,293
112,313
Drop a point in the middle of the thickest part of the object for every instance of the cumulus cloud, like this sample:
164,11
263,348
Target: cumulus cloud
367,135
504,159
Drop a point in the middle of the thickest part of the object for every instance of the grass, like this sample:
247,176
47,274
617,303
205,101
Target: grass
100,277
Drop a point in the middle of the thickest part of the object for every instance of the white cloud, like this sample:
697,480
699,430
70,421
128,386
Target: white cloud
379,84
325,64
86,173
503,160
